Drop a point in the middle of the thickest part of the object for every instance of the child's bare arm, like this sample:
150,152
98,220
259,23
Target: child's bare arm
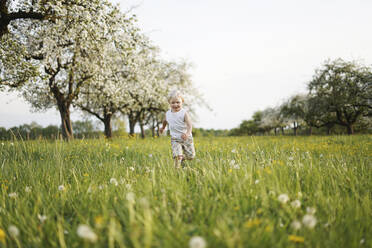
188,126
165,123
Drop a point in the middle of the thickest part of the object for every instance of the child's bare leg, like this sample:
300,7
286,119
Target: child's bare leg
177,161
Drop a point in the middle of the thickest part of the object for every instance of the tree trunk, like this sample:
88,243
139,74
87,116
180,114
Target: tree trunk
350,129
294,129
66,127
310,130
275,131
142,130
283,131
108,128
132,124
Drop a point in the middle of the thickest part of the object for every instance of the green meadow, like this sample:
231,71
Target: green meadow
238,192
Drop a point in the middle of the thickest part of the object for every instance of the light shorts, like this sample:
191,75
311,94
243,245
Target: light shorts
183,147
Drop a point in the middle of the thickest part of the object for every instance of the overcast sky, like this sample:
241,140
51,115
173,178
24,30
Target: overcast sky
247,55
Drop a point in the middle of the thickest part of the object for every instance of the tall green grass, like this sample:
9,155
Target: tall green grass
228,195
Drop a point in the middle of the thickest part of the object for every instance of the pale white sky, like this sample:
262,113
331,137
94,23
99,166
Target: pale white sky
247,55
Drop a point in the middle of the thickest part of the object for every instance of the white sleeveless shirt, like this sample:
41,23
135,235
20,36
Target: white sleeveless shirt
176,122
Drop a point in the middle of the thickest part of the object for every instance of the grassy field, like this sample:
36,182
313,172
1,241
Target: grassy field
238,192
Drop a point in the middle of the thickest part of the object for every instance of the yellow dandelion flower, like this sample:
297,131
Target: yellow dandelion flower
296,239
2,236
268,228
252,223
98,220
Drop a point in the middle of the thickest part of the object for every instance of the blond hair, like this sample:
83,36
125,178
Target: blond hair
175,94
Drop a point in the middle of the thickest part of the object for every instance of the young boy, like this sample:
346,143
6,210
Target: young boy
180,130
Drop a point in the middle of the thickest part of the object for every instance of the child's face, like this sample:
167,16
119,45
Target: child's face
176,104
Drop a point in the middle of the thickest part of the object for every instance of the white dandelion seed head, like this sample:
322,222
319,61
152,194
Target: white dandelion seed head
309,221
42,218
114,181
197,242
101,187
283,198
28,189
61,188
232,162
13,231
13,195
85,232
310,210
290,158
296,204
130,197
236,166
296,225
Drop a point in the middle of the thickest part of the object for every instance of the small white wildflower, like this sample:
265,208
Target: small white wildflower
321,155
114,181
127,147
296,225
299,194
61,188
233,150
309,221
296,204
131,168
197,242
310,210
236,166
362,241
42,218
128,186
89,190
150,155
283,198
2,143
290,158
12,144
65,231
257,181
13,231
130,196
28,189
232,162
101,187
13,195
85,232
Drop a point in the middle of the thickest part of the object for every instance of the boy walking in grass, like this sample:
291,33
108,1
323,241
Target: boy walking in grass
180,129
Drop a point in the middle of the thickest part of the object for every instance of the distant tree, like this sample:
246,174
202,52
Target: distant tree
346,88
293,111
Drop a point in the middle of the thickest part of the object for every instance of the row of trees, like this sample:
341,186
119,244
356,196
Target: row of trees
340,94
88,56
